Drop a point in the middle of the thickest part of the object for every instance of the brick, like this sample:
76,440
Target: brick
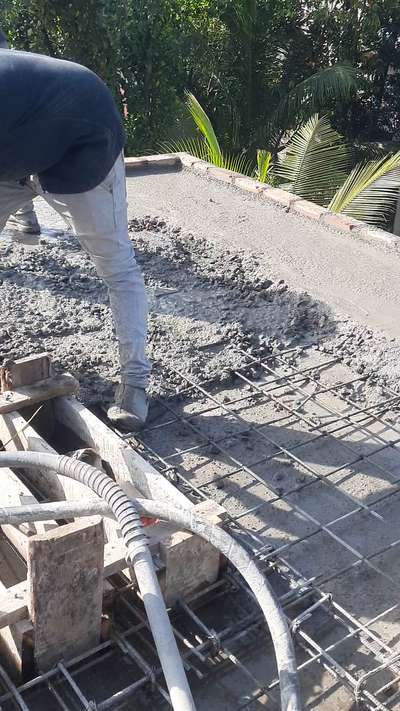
307,209
368,232
221,174
341,222
201,166
282,197
250,185
136,162
167,159
187,160
163,159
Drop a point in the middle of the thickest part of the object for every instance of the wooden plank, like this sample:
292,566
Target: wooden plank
40,391
24,371
15,493
131,471
13,604
65,590
16,435
16,636
14,600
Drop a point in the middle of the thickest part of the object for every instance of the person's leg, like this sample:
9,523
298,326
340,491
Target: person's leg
99,220
13,195
25,219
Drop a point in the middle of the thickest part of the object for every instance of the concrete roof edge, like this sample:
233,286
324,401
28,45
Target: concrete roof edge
290,202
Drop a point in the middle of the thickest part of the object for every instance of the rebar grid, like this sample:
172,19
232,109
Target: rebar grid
342,421
350,646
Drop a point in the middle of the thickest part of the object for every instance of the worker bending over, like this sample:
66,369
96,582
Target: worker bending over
59,124
25,219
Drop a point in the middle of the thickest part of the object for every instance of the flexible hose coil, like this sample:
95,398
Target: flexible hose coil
122,507
138,555
220,539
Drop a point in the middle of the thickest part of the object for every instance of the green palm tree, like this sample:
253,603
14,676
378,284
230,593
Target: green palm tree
315,165
371,191
206,146
339,82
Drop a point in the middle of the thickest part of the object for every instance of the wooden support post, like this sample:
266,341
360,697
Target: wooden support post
189,561
14,600
65,581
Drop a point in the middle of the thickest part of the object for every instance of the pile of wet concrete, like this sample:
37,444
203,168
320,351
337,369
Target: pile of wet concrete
208,307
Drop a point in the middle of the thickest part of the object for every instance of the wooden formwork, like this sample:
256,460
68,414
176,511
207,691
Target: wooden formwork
56,611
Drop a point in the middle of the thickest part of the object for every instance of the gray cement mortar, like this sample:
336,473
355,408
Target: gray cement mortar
210,304
207,303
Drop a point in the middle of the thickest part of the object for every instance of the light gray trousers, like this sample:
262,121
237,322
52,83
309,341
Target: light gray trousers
99,220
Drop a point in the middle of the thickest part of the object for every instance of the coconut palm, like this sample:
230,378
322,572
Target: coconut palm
206,146
315,165
315,162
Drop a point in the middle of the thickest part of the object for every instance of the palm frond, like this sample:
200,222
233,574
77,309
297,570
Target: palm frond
263,165
197,147
237,163
314,164
371,191
203,123
339,82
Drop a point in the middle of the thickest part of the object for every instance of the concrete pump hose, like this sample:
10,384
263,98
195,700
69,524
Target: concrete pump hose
138,555
188,519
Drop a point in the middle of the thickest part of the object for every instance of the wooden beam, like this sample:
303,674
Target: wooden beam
43,390
65,590
14,600
25,438
16,435
131,471
14,604
24,371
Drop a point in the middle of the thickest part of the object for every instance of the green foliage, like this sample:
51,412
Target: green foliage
206,146
337,83
314,164
264,166
258,68
78,30
371,191
204,125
